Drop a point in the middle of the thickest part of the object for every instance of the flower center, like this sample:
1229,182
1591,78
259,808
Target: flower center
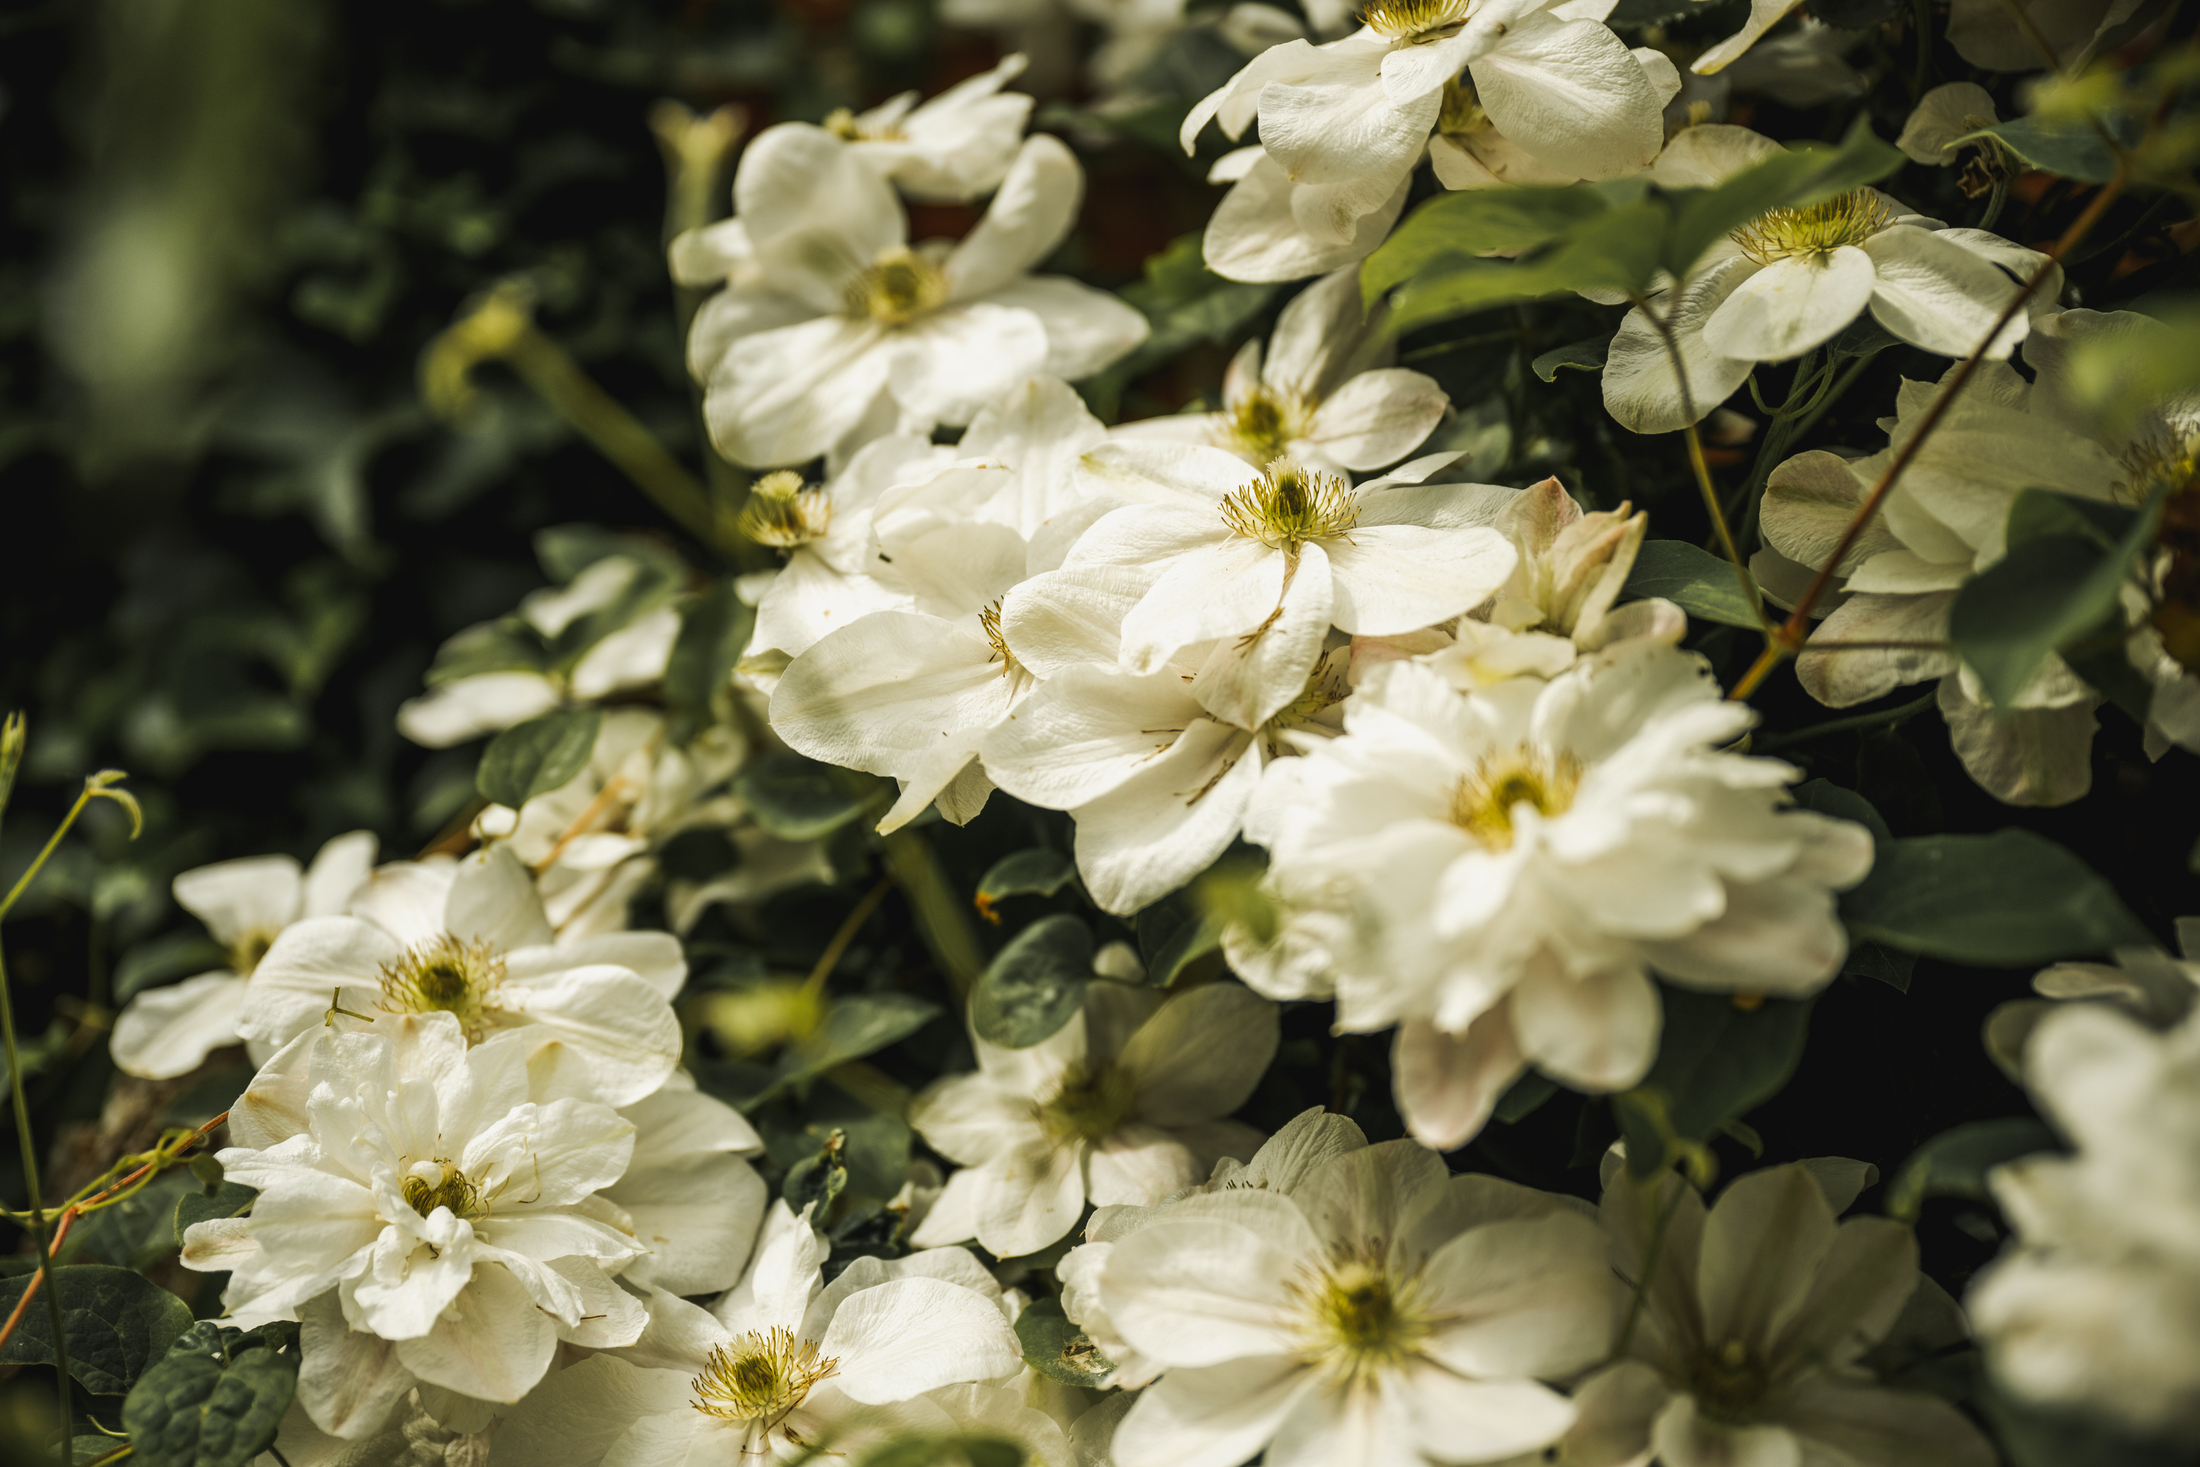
1726,1382
444,976
1483,802
900,287
1359,1317
1088,1106
760,1377
1264,425
245,953
783,513
989,620
1815,230
842,124
1415,21
1461,114
439,1183
1287,505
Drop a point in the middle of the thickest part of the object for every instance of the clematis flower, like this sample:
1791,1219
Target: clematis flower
832,330
1946,520
1939,125
1283,1164
488,678
1788,282
781,1366
1384,1312
1755,1315
1510,864
1126,1103
1469,150
1324,397
689,1195
169,1031
913,693
955,146
2150,985
1269,227
1354,116
470,939
428,1220
589,841
2096,1307
1273,557
1016,466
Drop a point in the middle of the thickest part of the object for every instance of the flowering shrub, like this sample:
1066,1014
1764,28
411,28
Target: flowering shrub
1201,748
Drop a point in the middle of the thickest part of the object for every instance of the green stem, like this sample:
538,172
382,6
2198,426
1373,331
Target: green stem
1994,201
1659,1222
940,920
1922,78
1886,716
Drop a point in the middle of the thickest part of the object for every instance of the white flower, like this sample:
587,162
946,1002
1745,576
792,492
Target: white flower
1272,557
1945,521
1515,860
413,1179
833,330
781,1366
955,146
2097,1307
1284,1163
1015,466
1753,1319
1324,396
1126,1103
1469,150
2145,982
1269,227
1941,117
589,840
1385,1312
1790,281
913,693
689,1195
1354,116
470,939
245,904
484,681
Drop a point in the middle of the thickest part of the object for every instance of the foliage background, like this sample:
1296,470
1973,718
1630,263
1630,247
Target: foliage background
231,536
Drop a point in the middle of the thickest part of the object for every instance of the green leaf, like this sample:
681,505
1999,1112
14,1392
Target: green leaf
224,1199
117,1324
1828,798
2007,900
2066,567
853,1028
1187,303
798,799
1174,933
1058,1349
1700,583
136,1232
2066,146
1955,1163
948,1451
818,1178
1524,1097
1034,872
1793,179
1716,1062
2120,375
536,757
1585,356
713,630
1033,986
1614,250
509,645
1456,227
216,1399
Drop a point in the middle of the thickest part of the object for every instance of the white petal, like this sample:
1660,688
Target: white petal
235,899
911,1335
1027,219
166,1032
1596,1032
1572,95
1391,579
493,1343
1641,389
1448,1085
1086,329
1792,305
1937,294
493,900
1219,1416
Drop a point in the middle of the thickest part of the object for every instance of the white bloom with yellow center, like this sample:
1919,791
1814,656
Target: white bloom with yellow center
1126,1103
470,938
1386,1311
951,147
1788,282
1325,396
1512,863
412,1175
780,1367
245,904
832,330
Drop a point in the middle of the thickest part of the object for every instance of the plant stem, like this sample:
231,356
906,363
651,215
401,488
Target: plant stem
940,920
830,958
1922,12
1659,1222
1886,716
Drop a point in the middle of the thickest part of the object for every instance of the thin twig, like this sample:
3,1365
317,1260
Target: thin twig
1702,467
1887,716
830,958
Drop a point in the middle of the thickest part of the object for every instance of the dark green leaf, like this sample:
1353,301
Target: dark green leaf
1716,1062
818,1178
2007,900
1174,933
1456,227
1058,1349
1187,303
1854,15
117,1324
2061,579
1799,177
853,1028
1828,798
1955,1163
2069,147
799,799
536,757
136,1232
1614,250
1585,356
1697,581
948,1451
2036,1436
564,551
1034,872
1525,1097
510,645
215,1400
713,630
227,1199
1033,986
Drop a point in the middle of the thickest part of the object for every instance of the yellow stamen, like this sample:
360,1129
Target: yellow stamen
760,1377
1415,21
447,975
1359,1316
901,286
1287,506
1483,802
782,512
1816,230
